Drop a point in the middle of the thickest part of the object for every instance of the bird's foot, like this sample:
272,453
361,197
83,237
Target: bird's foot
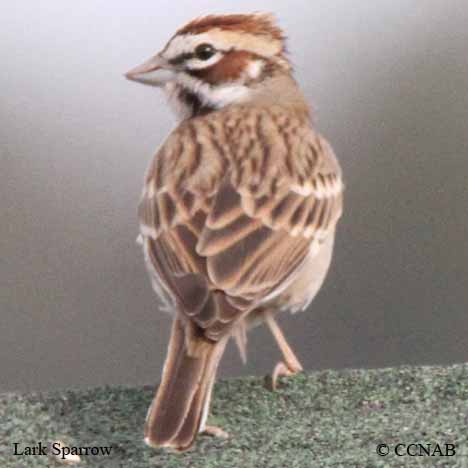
281,370
215,431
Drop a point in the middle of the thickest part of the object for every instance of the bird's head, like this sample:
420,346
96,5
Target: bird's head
215,61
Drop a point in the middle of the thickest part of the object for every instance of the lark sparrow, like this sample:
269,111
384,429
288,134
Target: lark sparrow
239,207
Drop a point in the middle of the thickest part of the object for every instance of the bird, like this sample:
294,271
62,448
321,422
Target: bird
238,211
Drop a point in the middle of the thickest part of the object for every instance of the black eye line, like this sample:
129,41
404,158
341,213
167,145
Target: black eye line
182,58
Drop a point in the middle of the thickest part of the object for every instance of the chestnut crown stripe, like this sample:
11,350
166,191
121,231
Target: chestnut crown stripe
262,24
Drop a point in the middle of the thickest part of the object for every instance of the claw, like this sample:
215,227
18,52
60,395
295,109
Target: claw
280,370
215,432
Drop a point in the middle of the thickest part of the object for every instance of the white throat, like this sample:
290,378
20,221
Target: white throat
208,96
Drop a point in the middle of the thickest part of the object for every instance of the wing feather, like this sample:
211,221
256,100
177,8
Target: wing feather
225,230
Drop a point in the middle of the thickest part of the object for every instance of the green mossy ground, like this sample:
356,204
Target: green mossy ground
322,419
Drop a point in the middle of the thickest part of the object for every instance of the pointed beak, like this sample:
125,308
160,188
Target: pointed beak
155,72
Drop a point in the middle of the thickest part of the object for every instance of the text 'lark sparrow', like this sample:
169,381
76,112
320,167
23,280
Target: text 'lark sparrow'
239,207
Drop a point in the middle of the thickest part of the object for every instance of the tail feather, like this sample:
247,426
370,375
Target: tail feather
181,402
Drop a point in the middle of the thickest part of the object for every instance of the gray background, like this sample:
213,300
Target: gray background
389,84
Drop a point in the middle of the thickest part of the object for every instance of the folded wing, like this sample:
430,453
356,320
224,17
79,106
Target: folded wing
217,249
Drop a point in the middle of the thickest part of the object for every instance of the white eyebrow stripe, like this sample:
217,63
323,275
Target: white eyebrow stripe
185,44
223,40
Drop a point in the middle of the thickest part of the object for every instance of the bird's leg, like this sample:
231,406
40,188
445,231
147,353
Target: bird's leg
290,364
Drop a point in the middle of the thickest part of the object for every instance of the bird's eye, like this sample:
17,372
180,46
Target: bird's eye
204,51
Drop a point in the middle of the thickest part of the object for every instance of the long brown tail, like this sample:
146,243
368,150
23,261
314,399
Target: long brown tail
182,400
